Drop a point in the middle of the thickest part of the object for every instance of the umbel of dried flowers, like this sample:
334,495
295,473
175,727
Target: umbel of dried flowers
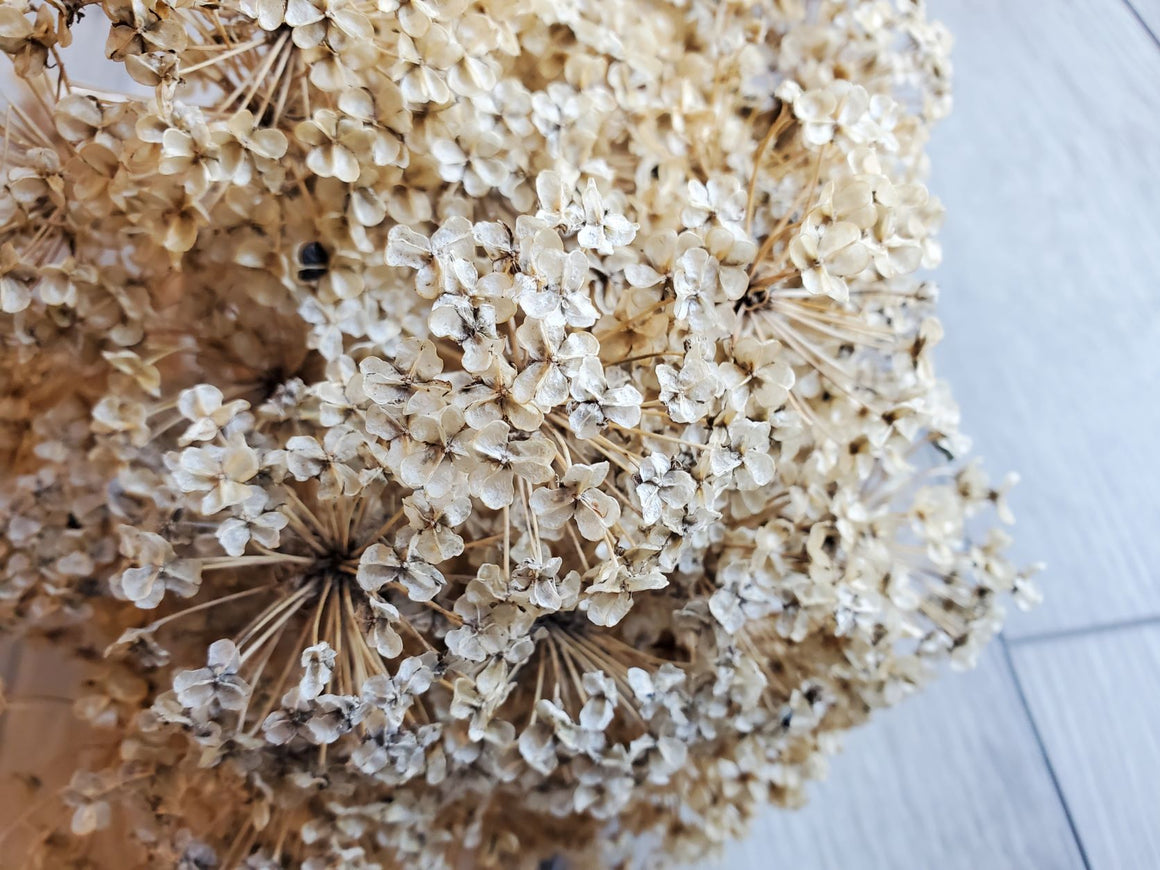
459,432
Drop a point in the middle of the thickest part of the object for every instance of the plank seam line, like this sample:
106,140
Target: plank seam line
1142,22
1085,630
1043,751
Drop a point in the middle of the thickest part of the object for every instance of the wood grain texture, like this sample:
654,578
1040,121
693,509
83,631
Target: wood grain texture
1149,12
1051,177
1094,700
41,742
953,779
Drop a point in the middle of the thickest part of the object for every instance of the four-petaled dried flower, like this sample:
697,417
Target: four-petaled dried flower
475,431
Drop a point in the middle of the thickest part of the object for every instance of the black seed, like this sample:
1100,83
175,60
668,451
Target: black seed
313,254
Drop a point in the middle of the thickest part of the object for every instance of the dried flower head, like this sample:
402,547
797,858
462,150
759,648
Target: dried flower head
475,431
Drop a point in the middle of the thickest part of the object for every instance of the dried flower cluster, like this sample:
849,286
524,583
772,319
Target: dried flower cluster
466,431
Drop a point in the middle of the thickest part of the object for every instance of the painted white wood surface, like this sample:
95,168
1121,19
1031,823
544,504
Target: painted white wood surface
953,779
1149,12
1050,172
1094,699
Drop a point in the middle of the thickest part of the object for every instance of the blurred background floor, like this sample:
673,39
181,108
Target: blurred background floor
1046,756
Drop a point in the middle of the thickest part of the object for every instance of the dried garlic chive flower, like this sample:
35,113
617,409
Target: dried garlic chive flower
460,433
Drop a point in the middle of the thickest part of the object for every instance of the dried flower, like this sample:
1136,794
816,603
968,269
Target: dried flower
476,431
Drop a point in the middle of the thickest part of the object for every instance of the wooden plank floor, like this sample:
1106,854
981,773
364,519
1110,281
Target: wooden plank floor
954,780
1094,695
1050,173
1047,756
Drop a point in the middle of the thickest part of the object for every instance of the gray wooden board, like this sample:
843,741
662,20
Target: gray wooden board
1149,12
1094,700
952,779
1050,172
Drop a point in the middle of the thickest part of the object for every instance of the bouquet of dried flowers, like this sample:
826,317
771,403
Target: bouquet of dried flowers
459,432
